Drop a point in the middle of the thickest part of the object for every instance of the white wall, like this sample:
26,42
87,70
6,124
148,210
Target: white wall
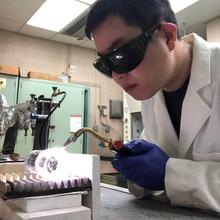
213,30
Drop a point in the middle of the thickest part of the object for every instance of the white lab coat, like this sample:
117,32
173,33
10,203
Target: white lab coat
193,171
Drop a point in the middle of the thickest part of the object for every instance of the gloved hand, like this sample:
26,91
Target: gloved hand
142,163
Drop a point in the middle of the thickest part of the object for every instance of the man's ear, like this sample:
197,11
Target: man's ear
170,32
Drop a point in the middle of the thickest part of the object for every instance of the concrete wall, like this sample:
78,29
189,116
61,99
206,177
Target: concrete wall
39,55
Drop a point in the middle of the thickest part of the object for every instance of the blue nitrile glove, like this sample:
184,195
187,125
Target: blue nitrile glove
142,163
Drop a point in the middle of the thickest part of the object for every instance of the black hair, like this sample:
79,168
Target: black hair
143,13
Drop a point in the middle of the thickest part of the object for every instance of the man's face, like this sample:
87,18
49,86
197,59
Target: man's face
152,74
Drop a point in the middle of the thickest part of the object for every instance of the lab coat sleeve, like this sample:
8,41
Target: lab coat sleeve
141,193
138,191
193,184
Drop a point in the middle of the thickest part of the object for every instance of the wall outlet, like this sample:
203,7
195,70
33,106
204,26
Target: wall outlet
95,128
72,69
102,110
107,128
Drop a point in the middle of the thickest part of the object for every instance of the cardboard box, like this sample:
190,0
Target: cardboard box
9,70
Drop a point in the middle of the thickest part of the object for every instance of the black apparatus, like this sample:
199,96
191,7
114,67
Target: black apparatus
40,122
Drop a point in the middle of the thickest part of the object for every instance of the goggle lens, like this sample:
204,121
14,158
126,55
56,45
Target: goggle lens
126,58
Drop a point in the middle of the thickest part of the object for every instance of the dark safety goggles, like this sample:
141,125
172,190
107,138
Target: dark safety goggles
125,58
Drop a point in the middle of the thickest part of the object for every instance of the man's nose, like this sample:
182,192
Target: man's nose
118,76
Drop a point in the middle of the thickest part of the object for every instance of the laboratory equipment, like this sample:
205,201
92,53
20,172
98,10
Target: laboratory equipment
57,163
132,118
34,113
105,141
28,196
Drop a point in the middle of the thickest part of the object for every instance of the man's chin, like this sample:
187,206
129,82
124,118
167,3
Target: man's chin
140,96
137,97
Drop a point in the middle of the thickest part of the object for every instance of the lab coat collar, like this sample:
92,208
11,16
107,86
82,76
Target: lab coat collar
200,70
194,110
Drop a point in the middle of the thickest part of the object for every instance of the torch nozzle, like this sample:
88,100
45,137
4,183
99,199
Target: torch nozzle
71,139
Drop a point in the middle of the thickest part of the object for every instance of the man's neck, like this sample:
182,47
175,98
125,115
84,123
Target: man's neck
182,68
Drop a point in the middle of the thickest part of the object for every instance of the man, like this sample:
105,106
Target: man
178,82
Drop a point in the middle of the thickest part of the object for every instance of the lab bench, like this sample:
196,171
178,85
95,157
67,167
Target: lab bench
124,206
